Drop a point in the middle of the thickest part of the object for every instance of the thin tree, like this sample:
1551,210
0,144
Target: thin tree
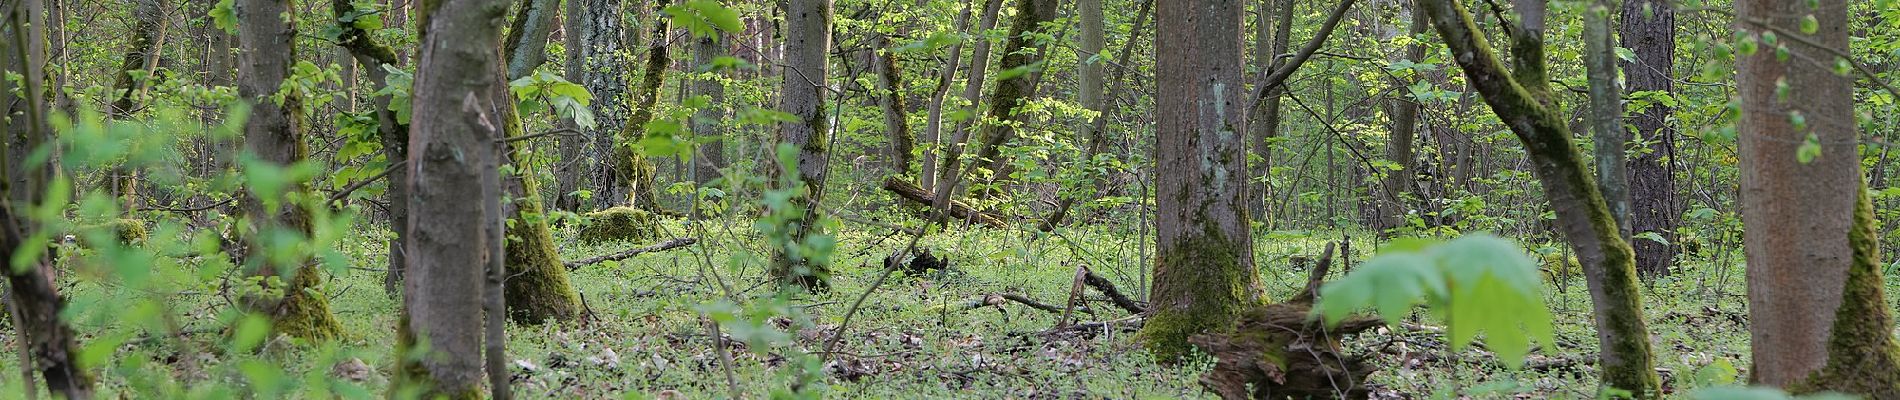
455,163
1522,98
393,133
1268,46
48,343
1203,246
136,72
633,172
807,44
972,93
1818,320
274,134
1401,147
1648,29
710,156
1606,112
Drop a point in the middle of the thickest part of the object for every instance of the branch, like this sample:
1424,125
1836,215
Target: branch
662,246
191,209
557,131
1804,40
341,194
1115,296
1279,75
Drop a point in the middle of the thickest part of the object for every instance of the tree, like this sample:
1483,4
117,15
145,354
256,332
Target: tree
599,57
455,158
275,135
972,91
135,76
1818,318
711,154
807,44
632,171
538,290
1606,112
33,298
1649,31
1203,246
392,132
1400,148
1522,98
1266,126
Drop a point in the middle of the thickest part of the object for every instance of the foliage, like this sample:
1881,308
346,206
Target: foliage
1475,284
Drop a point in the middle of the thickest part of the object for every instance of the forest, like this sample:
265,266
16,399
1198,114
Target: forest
995,199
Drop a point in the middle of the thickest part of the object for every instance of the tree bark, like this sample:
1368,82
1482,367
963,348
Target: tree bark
1098,129
807,44
48,343
275,135
1266,126
1009,93
1818,320
537,289
972,93
1521,98
1649,30
711,155
1400,148
394,135
604,76
632,170
570,170
148,40
1204,263
891,101
455,167
1606,113
933,123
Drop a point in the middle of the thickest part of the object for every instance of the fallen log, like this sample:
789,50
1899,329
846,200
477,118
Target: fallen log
958,210
1115,296
661,246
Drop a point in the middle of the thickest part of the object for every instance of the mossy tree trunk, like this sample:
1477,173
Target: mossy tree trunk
1606,112
275,135
135,76
537,288
1818,318
1400,148
1097,131
807,46
1266,118
1521,98
455,159
891,101
1018,52
710,156
632,169
49,344
1204,260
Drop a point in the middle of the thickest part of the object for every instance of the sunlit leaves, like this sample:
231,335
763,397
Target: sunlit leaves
1475,284
1809,149
705,18
544,89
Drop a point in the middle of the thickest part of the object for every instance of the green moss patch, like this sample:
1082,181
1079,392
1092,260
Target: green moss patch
619,224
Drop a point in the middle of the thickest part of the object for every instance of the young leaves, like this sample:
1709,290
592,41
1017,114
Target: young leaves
1475,284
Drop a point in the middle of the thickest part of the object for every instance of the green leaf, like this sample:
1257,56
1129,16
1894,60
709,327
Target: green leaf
1809,149
249,332
224,17
1809,25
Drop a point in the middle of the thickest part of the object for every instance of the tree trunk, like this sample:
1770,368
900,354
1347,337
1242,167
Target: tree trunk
933,124
148,40
1010,92
1098,129
275,135
1204,264
1522,99
1818,317
1266,126
393,132
1649,30
605,77
972,92
896,123
455,165
537,289
47,342
1400,148
1090,71
632,170
1606,113
570,170
807,44
711,155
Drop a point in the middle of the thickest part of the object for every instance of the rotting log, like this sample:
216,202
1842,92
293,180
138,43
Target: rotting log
958,209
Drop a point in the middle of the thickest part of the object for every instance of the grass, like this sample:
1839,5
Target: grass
911,339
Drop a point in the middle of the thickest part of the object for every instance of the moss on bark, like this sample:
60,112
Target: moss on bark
1209,287
1862,357
537,288
303,312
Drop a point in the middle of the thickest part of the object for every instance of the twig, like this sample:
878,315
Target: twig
1115,296
191,209
345,193
662,246
1318,277
557,131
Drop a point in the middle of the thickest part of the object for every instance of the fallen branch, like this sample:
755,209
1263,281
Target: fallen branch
1318,277
960,211
662,246
1115,296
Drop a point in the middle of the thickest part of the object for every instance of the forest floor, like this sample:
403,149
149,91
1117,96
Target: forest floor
917,337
